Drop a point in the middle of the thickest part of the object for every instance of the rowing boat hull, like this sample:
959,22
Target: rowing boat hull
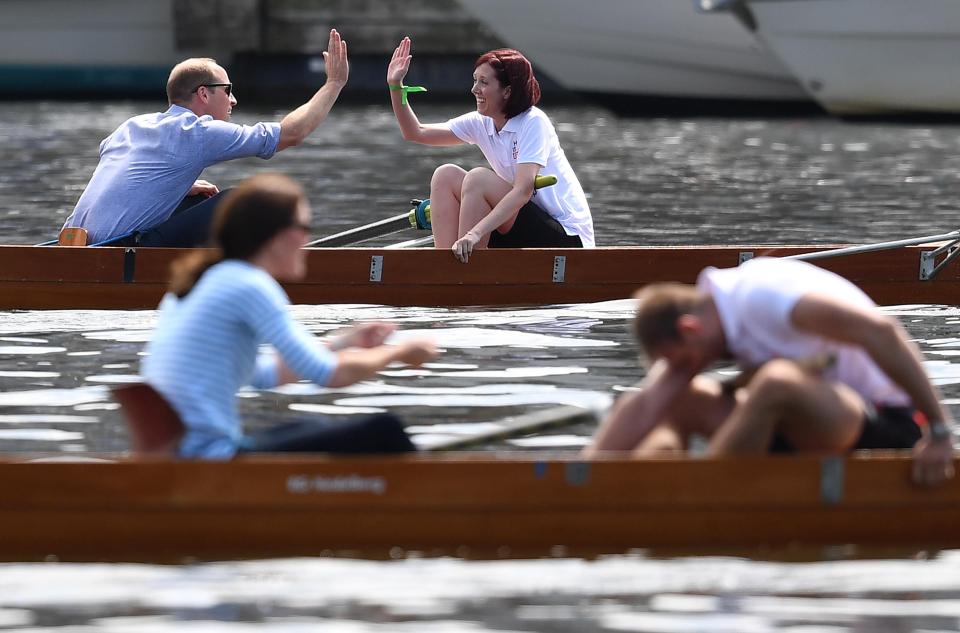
58,277
161,510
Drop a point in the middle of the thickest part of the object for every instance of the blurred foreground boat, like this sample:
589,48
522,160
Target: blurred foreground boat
464,504
59,277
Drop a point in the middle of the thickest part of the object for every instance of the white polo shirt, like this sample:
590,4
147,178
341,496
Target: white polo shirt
530,137
755,301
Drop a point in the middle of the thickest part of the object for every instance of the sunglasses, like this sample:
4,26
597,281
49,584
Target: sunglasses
227,88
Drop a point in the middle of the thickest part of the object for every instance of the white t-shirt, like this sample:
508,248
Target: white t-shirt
529,137
755,301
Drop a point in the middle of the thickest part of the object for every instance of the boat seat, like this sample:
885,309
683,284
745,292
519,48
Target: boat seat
153,425
72,236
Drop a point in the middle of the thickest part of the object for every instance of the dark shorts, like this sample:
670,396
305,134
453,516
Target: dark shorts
883,427
381,433
534,228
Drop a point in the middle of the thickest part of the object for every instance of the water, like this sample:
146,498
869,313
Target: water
56,367
649,181
624,593
657,181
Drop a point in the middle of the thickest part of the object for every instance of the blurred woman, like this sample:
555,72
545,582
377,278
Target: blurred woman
499,206
225,302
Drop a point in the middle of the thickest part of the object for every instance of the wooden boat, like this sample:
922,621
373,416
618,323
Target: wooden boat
464,504
58,277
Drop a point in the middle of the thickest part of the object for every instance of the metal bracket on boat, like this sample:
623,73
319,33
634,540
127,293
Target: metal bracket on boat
745,256
928,259
577,473
559,268
831,480
376,268
129,264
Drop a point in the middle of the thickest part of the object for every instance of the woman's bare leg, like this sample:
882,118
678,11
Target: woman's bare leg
482,190
445,187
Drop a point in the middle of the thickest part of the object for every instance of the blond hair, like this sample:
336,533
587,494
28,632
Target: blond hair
187,75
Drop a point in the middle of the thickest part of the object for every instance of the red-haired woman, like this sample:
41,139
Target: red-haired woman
499,206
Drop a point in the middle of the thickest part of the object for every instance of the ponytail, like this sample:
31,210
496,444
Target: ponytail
186,271
249,217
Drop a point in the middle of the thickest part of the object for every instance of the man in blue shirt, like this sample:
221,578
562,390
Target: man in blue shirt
146,185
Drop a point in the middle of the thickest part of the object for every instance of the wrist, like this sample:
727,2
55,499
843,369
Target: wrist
939,431
404,90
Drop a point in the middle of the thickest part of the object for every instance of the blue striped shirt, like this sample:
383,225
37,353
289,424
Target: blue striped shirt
205,348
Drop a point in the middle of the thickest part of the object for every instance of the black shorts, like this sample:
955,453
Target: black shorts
379,433
883,427
534,228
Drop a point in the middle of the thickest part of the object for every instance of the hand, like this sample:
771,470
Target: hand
365,335
464,246
932,461
417,352
203,188
335,59
399,63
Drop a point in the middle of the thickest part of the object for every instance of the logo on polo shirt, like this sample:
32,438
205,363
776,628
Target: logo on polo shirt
516,152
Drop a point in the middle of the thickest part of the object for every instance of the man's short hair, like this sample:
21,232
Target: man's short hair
187,76
659,308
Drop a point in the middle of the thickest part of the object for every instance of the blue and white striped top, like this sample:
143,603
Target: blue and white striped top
205,348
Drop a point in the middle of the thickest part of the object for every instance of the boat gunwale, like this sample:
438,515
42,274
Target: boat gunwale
123,278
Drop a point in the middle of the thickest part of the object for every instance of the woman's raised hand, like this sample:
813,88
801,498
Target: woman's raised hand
399,63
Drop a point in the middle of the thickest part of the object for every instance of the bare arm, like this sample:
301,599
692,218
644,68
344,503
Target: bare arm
509,205
888,345
359,363
299,124
372,334
881,337
635,414
354,365
410,126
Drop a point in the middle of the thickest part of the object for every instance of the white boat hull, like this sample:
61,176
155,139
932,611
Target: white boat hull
70,48
640,48
102,33
869,57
